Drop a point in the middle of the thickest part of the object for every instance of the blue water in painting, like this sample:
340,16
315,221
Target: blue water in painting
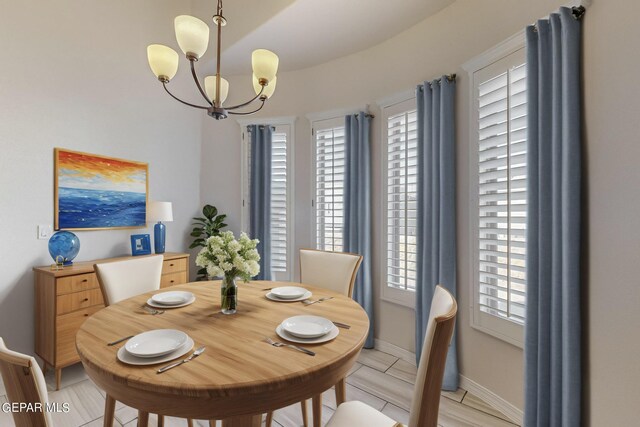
97,208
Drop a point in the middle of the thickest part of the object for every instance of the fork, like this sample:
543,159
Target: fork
307,302
295,347
195,354
152,311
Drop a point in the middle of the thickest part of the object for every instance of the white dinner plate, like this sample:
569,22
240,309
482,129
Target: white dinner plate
307,326
288,292
156,343
151,303
124,356
172,298
272,297
284,335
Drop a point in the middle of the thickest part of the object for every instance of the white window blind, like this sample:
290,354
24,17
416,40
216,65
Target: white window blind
401,204
329,185
502,193
279,234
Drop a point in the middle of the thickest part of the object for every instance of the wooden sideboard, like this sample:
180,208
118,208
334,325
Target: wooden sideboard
65,298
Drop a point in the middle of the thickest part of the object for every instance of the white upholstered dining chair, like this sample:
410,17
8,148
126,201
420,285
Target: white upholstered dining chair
426,394
335,271
24,383
120,280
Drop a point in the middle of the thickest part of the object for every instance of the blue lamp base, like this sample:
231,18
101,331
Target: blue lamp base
159,237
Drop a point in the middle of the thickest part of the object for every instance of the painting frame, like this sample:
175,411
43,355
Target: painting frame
59,192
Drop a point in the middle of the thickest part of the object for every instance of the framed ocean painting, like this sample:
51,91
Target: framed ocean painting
98,192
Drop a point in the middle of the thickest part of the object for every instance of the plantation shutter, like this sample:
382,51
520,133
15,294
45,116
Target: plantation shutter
329,186
279,177
502,194
402,171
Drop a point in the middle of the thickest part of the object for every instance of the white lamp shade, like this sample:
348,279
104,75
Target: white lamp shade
264,64
192,35
210,88
163,61
268,89
159,211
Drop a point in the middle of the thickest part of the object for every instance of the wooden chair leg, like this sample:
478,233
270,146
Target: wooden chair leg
305,418
269,419
212,423
317,410
143,419
341,392
190,422
160,420
109,411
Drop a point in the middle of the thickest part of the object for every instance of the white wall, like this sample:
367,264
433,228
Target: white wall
439,45
75,75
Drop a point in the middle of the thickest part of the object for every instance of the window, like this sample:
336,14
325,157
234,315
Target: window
499,191
281,197
400,166
329,164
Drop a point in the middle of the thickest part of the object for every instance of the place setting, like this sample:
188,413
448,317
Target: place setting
155,347
306,329
170,299
288,294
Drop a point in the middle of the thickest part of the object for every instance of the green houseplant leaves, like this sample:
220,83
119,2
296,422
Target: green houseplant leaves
209,224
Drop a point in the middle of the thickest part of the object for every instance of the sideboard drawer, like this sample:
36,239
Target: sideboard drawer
66,329
77,300
173,279
79,282
174,265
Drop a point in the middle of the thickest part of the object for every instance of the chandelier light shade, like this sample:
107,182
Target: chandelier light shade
265,64
192,35
210,87
163,61
267,91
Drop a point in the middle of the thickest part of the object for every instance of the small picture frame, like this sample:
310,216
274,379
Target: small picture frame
140,244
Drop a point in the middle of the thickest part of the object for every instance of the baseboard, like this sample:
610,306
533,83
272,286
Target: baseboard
396,351
513,412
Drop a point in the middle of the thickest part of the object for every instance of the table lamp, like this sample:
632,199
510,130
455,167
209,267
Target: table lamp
159,211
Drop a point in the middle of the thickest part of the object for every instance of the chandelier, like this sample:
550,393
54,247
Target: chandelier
192,35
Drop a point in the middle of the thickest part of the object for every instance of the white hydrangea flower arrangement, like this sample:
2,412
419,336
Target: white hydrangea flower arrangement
224,256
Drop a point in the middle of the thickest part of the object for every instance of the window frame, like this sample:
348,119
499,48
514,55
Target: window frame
322,124
278,123
399,103
501,328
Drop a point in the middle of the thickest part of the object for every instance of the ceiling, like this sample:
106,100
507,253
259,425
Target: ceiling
305,33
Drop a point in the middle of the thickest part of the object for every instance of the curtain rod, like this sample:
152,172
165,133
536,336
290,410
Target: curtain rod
449,77
259,126
577,12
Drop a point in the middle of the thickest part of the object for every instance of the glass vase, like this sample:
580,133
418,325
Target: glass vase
229,295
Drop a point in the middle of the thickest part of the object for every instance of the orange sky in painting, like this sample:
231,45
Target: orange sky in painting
89,166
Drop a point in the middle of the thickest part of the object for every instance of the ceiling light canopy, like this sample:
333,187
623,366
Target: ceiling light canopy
192,35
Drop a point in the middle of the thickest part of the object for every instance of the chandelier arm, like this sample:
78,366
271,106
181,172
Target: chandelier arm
195,78
180,100
246,103
249,112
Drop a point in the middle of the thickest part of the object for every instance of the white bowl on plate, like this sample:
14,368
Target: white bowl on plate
156,343
172,298
288,292
307,326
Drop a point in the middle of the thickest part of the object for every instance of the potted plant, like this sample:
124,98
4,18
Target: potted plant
210,224
224,256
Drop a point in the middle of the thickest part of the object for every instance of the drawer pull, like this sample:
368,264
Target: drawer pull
85,280
85,300
86,315
172,281
170,265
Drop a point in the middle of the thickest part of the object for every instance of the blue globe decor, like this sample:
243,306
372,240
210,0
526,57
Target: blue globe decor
64,244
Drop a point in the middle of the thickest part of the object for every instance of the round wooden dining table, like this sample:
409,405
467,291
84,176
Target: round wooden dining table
239,376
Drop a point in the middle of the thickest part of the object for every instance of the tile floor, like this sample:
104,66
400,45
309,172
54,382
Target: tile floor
379,379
